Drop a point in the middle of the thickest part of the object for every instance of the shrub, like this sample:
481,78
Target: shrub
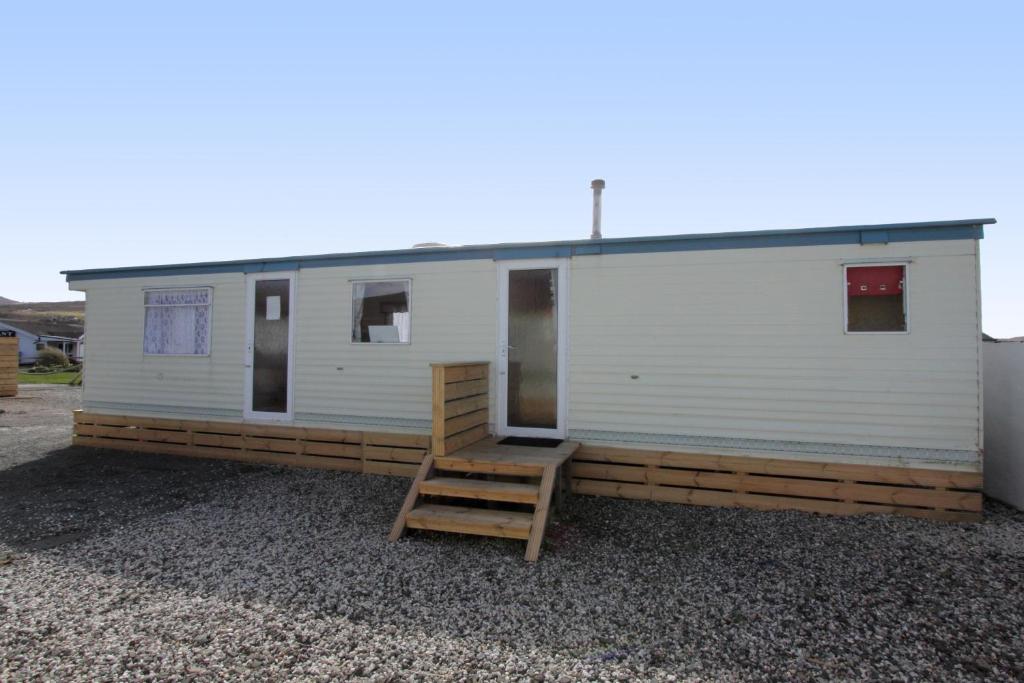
50,357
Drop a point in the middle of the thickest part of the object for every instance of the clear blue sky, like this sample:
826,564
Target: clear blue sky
142,132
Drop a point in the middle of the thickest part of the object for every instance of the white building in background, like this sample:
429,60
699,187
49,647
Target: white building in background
34,336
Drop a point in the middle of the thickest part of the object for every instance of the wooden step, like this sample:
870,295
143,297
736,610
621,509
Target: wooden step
479,489
465,520
505,464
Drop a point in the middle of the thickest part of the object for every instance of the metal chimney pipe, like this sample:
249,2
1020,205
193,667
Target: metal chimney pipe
597,185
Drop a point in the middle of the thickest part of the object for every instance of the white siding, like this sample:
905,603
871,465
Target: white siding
742,344
118,374
749,344
454,318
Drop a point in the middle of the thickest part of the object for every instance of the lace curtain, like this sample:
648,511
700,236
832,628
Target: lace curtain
177,322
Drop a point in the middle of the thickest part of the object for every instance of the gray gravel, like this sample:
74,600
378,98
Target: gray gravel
260,572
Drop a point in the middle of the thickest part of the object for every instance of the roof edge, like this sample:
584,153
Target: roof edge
848,234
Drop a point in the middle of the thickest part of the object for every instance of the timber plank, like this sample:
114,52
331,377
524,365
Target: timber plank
586,470
792,468
426,468
266,458
342,450
476,521
463,373
437,410
464,389
479,489
463,439
162,436
218,440
398,440
462,406
258,443
756,501
388,453
394,469
331,435
455,425
122,433
540,513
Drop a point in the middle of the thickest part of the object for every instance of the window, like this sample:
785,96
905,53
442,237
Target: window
177,322
380,311
875,299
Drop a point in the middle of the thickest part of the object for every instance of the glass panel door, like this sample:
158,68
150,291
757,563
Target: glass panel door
533,348
269,347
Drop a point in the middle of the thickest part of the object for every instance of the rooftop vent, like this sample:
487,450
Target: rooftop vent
428,245
597,185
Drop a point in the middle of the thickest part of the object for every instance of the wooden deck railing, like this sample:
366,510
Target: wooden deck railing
460,405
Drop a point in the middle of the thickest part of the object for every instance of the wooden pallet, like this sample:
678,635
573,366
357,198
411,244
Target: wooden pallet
485,469
776,484
336,449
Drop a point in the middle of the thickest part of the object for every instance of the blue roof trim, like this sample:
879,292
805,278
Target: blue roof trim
853,234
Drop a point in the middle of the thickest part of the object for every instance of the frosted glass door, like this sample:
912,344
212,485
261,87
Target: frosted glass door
270,342
532,396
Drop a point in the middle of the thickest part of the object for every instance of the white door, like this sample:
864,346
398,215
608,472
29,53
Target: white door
269,346
532,326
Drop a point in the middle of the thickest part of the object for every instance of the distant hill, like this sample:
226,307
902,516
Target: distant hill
4,301
61,318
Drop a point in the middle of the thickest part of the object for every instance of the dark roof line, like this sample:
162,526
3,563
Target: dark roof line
849,234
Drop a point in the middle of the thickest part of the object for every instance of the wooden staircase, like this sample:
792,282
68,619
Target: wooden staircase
469,483
487,490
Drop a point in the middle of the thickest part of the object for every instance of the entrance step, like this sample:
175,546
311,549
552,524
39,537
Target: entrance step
493,464
476,521
436,478
479,489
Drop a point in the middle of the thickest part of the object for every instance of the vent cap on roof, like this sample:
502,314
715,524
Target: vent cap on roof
428,245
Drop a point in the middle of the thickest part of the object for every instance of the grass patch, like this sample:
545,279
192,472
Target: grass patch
55,378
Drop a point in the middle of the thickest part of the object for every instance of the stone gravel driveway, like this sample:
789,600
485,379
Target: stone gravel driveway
160,568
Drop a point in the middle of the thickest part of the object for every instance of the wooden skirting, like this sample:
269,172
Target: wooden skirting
767,484
459,405
694,479
335,449
8,366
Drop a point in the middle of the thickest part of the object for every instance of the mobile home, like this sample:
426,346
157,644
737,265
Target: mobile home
823,369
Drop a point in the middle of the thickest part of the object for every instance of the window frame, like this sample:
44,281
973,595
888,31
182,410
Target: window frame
906,295
209,329
351,301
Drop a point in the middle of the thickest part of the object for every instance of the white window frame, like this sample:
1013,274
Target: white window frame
370,280
906,295
209,329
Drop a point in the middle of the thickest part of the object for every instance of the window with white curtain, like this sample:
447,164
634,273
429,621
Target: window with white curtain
380,311
177,322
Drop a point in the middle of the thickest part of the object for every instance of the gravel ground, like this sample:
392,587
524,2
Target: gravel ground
152,567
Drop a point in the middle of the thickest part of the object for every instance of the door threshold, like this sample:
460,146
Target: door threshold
535,441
